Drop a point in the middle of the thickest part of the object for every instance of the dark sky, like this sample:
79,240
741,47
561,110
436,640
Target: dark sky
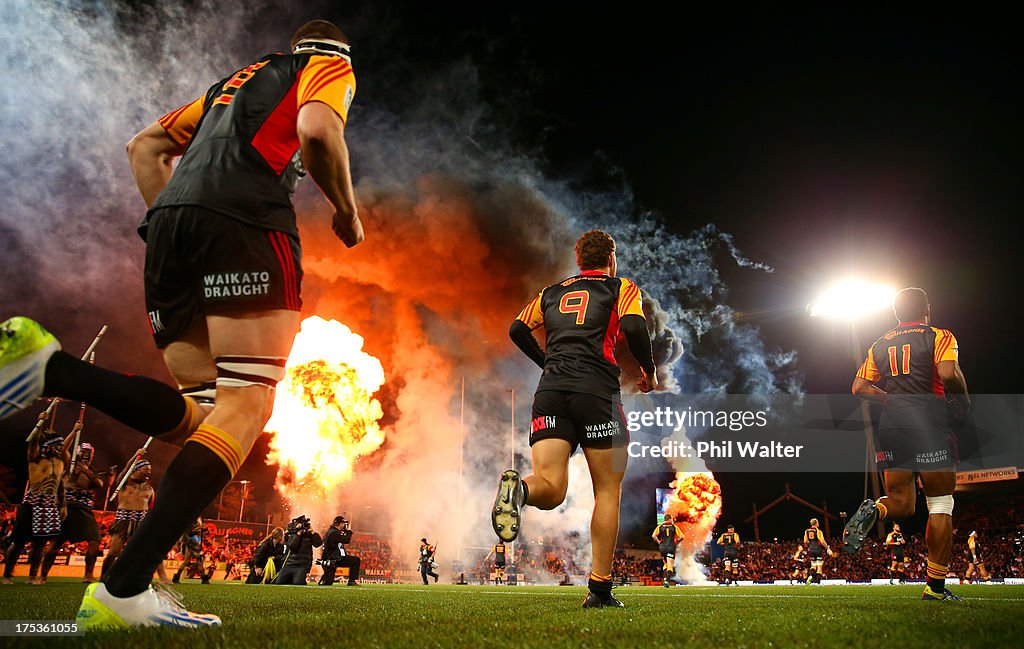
827,143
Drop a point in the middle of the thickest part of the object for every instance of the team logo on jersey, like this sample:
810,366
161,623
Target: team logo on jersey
348,98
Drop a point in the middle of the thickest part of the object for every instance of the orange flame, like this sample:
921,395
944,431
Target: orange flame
325,417
695,506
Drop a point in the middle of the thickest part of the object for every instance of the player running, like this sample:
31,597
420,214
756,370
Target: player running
223,291
817,548
731,542
975,562
897,545
667,536
577,402
912,370
499,553
799,560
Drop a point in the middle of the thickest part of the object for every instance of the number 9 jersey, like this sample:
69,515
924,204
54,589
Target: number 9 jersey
582,317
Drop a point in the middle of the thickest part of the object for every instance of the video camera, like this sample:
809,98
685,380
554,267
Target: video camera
299,524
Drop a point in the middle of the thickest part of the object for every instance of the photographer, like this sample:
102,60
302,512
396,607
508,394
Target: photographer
334,555
300,541
267,559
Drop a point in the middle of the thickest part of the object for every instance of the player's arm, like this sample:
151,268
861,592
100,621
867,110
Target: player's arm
721,540
736,540
864,383
70,438
325,90
634,328
521,330
655,535
153,149
824,543
955,385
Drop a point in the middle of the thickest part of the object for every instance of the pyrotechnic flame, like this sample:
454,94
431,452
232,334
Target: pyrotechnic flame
695,506
325,417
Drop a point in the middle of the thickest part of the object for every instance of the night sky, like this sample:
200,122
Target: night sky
827,143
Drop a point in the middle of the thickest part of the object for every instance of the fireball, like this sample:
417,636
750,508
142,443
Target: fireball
325,417
695,507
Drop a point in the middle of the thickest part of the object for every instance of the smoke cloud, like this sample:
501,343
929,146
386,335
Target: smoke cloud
462,230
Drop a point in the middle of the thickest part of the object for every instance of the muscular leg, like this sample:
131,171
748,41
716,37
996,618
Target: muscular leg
35,558
91,552
607,467
53,548
550,479
901,498
13,552
113,551
214,452
939,533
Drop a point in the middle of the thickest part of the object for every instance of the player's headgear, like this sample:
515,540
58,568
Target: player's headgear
322,37
141,464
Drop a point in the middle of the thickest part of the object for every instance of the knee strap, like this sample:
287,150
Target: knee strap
203,394
243,371
940,504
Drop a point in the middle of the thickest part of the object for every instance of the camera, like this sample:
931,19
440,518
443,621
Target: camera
299,524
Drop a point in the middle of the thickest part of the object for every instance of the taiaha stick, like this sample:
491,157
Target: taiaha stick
131,470
78,426
53,404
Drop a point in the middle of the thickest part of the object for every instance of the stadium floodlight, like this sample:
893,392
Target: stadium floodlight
851,299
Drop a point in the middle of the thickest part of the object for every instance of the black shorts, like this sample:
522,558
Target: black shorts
897,557
199,262
499,562
579,418
667,551
915,449
732,556
816,555
80,525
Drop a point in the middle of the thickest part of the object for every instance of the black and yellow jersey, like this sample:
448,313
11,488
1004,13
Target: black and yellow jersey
242,148
904,360
580,316
730,540
800,554
814,539
895,539
667,533
499,550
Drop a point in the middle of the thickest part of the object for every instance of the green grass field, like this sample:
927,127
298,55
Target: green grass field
476,616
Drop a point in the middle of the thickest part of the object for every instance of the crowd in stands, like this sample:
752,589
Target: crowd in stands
1000,536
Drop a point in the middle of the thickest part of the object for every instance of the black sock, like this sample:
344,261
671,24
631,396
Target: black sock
145,404
937,585
599,587
526,493
190,484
